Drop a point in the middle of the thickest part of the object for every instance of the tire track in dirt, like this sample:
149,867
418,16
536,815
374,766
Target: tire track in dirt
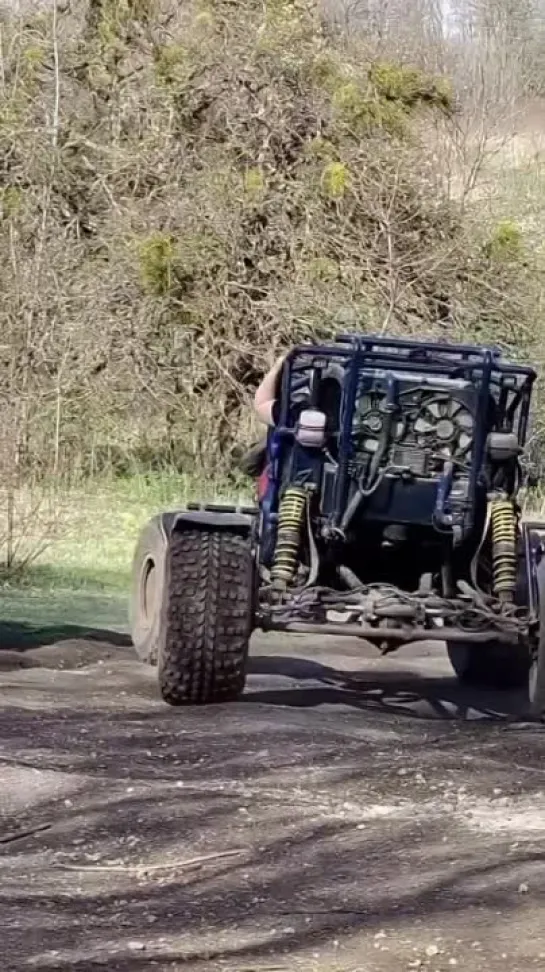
380,819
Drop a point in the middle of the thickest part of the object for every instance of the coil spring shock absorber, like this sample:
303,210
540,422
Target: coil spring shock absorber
291,515
504,548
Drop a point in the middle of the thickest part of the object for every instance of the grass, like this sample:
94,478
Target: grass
30,615
82,540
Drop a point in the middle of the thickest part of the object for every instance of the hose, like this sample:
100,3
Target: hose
504,548
475,561
314,556
291,517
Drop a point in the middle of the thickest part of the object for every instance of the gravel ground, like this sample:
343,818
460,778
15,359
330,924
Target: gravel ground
349,813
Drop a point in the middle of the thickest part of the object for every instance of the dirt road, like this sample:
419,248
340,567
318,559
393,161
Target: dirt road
350,813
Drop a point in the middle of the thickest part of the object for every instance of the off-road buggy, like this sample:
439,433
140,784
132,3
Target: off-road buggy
387,510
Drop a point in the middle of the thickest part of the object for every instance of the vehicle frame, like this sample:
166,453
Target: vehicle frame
445,509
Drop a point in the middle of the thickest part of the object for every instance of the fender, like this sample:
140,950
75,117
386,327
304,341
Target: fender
237,519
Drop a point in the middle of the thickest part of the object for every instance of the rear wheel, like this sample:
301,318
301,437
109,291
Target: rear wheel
207,616
494,664
148,577
536,681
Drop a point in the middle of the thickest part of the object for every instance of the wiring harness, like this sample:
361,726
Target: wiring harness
375,603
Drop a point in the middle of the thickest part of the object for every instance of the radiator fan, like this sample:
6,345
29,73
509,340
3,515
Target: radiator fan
369,421
445,425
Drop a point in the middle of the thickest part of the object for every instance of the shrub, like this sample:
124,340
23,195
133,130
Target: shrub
187,189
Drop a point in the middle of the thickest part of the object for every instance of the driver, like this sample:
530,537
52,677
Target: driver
266,400
266,396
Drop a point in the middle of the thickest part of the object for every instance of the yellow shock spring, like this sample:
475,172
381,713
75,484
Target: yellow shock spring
291,514
504,548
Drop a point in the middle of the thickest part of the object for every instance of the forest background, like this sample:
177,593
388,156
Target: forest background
187,188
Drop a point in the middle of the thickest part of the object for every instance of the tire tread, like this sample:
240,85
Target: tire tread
206,620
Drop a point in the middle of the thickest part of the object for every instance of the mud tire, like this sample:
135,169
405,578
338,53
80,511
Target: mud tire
536,680
495,665
207,617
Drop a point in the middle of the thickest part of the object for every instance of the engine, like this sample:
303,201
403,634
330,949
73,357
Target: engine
421,430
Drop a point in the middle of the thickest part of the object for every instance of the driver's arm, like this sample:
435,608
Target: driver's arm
266,395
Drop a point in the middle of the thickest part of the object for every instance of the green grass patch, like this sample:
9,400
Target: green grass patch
33,616
83,540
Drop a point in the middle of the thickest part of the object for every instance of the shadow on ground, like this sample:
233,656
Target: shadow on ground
21,636
391,690
305,683
24,645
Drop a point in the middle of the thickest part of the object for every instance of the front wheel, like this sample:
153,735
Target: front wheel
207,616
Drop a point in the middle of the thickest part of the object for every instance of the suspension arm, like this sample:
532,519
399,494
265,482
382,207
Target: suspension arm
402,634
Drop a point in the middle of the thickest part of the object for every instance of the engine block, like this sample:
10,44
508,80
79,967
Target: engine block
430,424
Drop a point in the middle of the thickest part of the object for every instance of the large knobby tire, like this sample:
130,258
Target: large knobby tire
493,665
207,617
536,680
148,578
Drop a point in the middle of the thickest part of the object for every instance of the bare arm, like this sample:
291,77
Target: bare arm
265,395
